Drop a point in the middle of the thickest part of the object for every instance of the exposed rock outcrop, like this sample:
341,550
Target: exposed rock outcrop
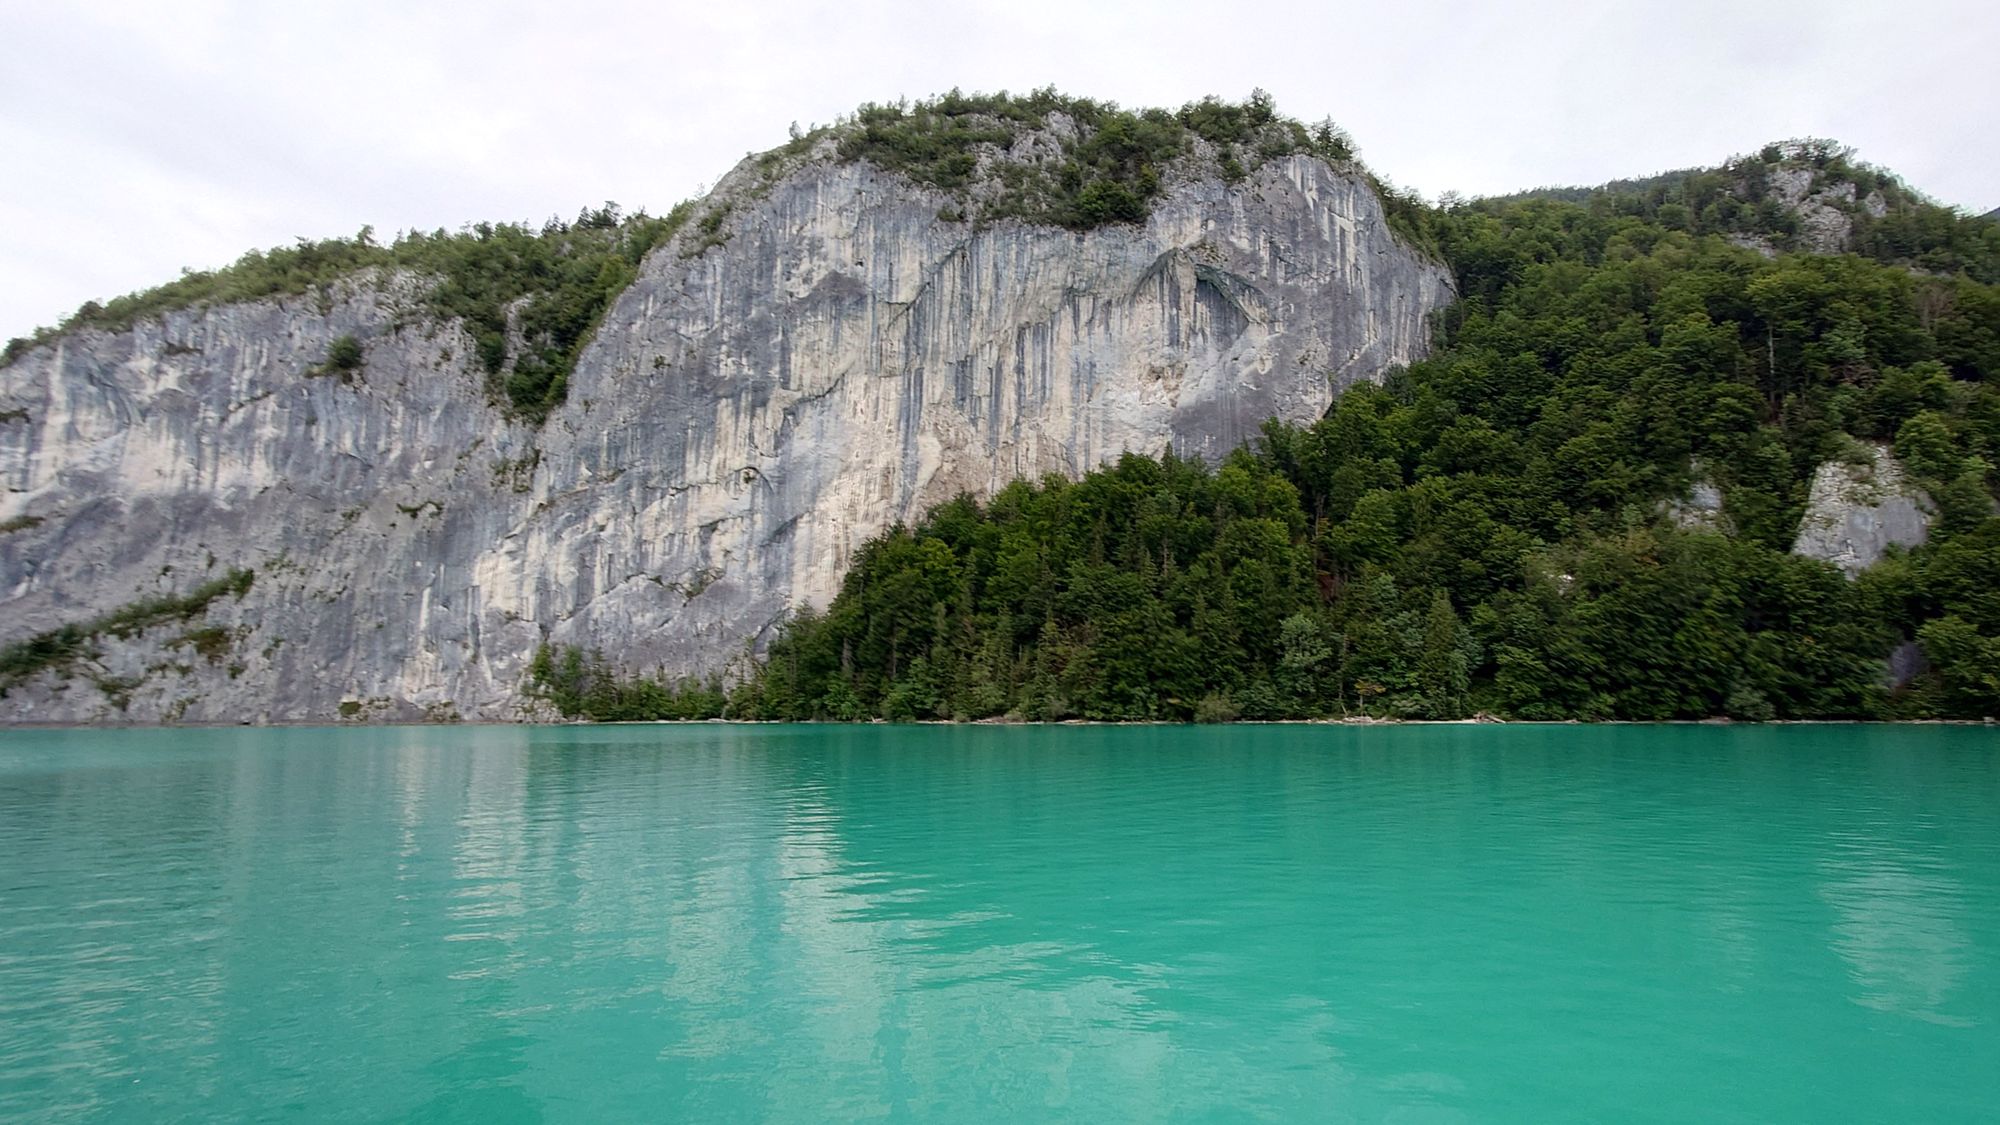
746,416
1856,511
1701,509
1825,222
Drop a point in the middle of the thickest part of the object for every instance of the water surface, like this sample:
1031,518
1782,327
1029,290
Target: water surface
712,923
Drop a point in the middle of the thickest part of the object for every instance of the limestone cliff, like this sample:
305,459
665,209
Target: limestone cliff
1824,213
1856,511
831,355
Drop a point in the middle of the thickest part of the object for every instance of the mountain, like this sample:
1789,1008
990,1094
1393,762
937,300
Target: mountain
1806,195
1033,406
1715,444
352,481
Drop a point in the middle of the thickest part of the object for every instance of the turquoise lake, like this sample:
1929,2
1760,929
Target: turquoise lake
804,924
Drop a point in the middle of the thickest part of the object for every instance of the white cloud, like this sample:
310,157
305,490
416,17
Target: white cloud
141,137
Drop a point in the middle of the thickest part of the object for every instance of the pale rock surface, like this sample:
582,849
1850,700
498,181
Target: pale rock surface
1856,512
1701,509
1824,226
745,419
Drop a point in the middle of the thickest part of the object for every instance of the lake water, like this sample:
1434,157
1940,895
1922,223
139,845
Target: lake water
713,923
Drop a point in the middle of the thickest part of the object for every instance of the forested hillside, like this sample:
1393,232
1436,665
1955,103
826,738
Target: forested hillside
1494,530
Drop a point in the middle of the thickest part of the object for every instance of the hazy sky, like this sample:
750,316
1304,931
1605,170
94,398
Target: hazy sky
143,137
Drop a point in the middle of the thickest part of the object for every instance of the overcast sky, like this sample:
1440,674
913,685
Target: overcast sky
141,137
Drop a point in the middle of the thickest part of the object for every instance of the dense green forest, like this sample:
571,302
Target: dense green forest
1739,198
1491,530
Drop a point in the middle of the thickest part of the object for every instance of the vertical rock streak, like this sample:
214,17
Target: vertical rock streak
745,418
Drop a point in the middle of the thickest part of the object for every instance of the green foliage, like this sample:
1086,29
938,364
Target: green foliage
553,282
531,298
131,620
1215,708
1486,531
344,354
211,642
1408,215
1159,589
343,358
60,649
710,229
19,523
582,685
1968,662
1740,198
1104,168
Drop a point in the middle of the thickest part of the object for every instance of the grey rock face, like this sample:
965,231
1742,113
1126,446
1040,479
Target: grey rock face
162,457
1906,662
1856,512
1701,509
745,418
1824,226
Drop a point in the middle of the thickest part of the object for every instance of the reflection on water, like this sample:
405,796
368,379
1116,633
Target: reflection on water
717,923
1898,927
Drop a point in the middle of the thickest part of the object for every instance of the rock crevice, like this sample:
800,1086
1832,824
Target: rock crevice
748,414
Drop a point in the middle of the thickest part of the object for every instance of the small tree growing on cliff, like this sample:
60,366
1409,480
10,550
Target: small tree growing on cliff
343,358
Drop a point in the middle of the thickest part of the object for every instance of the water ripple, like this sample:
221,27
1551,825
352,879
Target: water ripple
771,924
